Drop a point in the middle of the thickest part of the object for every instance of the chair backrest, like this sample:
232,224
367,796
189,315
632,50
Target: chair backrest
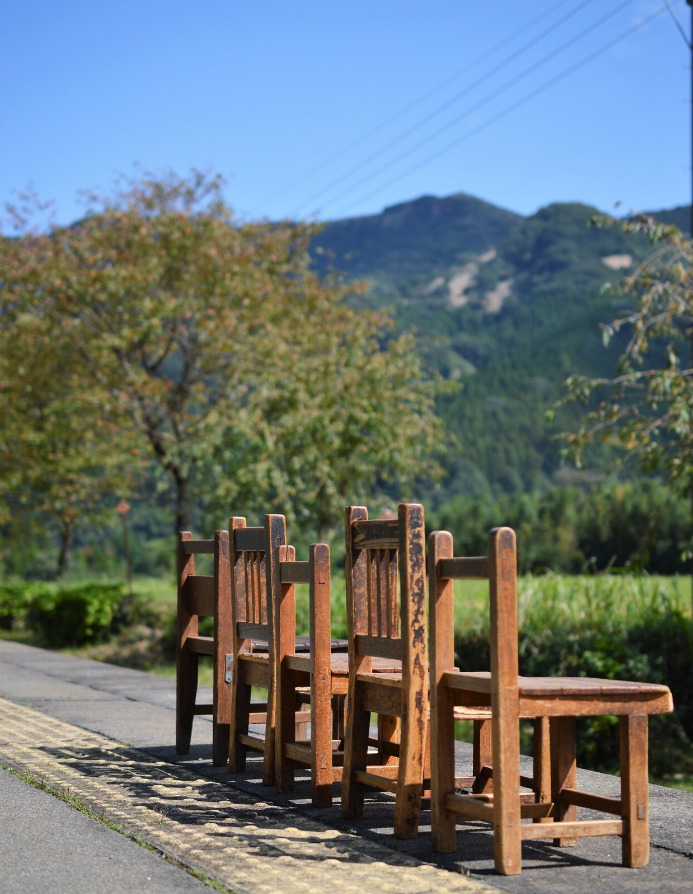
499,567
385,558
202,595
316,573
253,555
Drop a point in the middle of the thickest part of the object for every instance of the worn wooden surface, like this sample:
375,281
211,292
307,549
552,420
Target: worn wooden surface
557,702
385,574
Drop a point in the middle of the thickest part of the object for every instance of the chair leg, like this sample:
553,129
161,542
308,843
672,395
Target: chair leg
186,693
240,712
339,718
482,759
412,757
388,740
355,757
321,743
221,714
286,731
541,764
563,771
268,761
220,743
442,773
507,842
634,790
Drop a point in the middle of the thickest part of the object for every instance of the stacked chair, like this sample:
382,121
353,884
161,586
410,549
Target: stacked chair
392,671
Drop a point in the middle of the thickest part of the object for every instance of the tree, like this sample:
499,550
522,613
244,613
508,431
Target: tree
647,407
211,343
61,456
341,415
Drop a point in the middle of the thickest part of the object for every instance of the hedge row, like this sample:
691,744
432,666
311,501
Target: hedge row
64,616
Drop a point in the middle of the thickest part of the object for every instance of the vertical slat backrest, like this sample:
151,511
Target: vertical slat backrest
254,559
385,560
248,561
375,545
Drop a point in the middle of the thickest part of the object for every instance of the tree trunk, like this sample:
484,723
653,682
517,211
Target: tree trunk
182,522
65,553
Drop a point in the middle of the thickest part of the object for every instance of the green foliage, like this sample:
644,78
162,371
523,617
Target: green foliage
638,526
632,525
506,307
64,616
646,407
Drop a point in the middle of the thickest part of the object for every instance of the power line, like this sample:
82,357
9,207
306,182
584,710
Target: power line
417,102
679,25
514,106
535,66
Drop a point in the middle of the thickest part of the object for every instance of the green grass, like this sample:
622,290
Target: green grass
555,600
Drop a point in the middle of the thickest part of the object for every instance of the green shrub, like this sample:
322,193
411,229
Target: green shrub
14,600
73,615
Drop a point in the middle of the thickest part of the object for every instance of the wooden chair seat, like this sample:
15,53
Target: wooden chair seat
559,701
589,694
339,664
302,645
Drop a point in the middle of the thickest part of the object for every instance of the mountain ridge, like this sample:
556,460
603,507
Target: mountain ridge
505,306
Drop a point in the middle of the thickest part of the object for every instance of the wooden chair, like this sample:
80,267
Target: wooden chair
323,670
252,554
386,621
511,697
254,563
201,595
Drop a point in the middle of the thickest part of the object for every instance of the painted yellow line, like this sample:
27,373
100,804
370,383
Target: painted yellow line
245,843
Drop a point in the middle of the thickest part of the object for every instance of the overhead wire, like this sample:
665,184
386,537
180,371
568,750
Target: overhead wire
512,82
434,90
494,70
510,108
688,41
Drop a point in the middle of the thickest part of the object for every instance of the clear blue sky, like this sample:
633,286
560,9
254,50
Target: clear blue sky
327,109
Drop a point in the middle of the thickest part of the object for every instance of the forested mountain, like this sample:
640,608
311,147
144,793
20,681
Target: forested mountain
504,306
